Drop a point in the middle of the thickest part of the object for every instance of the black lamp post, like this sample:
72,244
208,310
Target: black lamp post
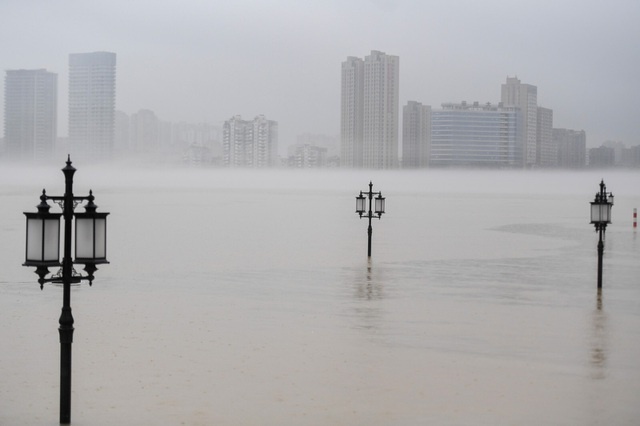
600,217
361,204
43,251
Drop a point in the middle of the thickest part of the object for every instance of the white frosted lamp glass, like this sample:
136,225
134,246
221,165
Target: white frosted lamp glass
91,237
379,205
596,214
361,203
606,212
43,239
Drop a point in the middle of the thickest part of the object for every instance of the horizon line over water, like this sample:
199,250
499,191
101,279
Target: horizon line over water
457,180
246,297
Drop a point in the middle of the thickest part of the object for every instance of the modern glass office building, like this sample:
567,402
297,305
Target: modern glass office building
474,135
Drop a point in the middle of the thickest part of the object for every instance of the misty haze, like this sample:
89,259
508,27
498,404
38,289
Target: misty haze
228,143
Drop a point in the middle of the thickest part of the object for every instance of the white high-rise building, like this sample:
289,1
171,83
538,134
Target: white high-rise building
416,135
252,144
352,104
546,150
525,97
30,114
92,97
369,111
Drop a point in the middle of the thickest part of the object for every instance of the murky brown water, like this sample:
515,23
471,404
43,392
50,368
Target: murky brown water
247,299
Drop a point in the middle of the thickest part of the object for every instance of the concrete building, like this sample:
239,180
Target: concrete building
546,150
631,157
602,157
351,112
30,114
525,97
475,135
572,148
92,96
369,111
416,135
252,144
306,156
618,150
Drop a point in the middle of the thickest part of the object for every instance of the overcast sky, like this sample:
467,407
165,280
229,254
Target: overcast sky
205,60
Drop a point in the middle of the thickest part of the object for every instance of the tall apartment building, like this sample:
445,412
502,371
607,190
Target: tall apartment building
546,150
475,135
30,114
369,111
92,96
572,147
525,97
252,144
351,112
416,135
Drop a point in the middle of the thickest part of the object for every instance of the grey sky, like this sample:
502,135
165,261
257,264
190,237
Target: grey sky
203,60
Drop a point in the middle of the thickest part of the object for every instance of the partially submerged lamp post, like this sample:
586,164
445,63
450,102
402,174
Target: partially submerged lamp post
600,217
43,251
361,204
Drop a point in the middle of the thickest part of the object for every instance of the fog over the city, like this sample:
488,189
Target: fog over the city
202,61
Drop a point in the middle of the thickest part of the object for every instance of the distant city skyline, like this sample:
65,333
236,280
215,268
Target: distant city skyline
204,62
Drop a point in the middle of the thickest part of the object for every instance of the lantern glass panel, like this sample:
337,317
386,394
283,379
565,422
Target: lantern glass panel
43,239
51,240
84,238
34,239
101,238
606,212
595,213
379,205
360,204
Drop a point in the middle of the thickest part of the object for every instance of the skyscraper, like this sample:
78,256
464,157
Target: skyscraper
525,97
351,112
546,150
92,96
369,111
30,114
416,135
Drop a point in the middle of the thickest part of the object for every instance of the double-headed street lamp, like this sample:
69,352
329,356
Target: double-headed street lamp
361,205
43,251
600,217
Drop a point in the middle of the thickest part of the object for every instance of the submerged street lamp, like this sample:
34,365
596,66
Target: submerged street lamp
361,205
600,217
43,251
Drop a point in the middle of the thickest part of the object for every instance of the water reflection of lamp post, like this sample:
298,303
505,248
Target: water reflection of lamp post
361,205
43,251
600,217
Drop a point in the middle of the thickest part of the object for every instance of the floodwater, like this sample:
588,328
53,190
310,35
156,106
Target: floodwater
246,298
